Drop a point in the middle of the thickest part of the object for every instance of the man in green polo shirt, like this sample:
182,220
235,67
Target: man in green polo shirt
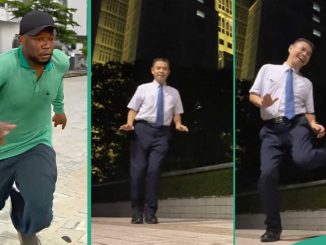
31,80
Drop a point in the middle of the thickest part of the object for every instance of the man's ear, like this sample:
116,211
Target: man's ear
21,39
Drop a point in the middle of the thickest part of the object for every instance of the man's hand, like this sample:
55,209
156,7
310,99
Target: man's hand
267,101
181,128
127,127
59,119
318,129
5,129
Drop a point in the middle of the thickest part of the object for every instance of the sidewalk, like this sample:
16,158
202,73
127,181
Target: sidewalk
289,237
170,231
70,198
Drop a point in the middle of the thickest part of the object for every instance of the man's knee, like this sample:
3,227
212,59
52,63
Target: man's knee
41,212
267,177
303,160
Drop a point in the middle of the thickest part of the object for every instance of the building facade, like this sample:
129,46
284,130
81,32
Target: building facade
271,27
110,31
139,30
225,32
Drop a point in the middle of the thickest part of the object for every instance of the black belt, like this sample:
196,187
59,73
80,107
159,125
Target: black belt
283,120
153,125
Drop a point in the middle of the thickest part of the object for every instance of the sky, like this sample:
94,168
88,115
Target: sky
80,15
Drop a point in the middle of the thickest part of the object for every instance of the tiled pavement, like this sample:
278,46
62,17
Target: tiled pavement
289,237
170,231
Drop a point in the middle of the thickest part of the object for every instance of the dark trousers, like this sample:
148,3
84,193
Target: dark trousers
293,139
149,146
35,175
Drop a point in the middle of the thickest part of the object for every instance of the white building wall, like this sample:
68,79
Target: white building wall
7,34
80,16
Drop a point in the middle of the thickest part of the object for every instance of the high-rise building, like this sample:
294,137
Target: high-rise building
225,33
248,45
242,7
271,27
110,31
182,30
139,30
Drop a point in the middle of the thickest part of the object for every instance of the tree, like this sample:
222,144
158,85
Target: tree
112,87
61,14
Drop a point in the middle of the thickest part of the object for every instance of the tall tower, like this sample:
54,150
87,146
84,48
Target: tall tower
271,27
225,32
242,8
182,30
110,31
249,44
131,31
139,30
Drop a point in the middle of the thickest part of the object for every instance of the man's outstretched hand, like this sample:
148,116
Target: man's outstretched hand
59,119
126,127
182,128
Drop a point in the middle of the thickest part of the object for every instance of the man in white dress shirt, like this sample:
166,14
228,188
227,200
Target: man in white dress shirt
151,111
285,99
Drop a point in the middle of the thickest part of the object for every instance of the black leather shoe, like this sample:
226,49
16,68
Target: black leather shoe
270,236
151,219
137,219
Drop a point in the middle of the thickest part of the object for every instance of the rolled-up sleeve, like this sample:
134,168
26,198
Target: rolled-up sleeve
258,83
310,100
178,109
136,100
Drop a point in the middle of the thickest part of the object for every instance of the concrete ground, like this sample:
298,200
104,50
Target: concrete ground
69,225
170,231
288,237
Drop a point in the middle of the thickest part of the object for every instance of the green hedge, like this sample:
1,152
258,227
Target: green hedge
312,198
213,183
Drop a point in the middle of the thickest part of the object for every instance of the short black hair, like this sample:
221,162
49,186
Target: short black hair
161,59
301,39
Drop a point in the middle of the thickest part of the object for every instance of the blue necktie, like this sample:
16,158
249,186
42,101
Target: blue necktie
289,97
160,107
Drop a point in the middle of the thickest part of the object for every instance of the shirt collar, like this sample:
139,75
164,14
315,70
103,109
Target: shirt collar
287,67
156,83
23,62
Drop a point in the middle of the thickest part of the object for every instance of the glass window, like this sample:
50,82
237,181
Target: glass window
316,7
200,14
316,18
316,33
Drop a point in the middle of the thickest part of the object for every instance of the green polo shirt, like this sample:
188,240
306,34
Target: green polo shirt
26,101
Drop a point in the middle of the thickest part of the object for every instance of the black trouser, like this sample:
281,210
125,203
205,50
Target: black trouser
294,138
35,174
149,146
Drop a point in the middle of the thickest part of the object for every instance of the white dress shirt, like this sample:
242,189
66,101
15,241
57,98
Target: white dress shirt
144,102
271,80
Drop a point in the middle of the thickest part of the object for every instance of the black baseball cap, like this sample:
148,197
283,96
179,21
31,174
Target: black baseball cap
34,22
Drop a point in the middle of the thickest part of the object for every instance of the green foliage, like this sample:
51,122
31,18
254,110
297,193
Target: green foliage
207,101
214,183
248,124
61,14
112,86
296,199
